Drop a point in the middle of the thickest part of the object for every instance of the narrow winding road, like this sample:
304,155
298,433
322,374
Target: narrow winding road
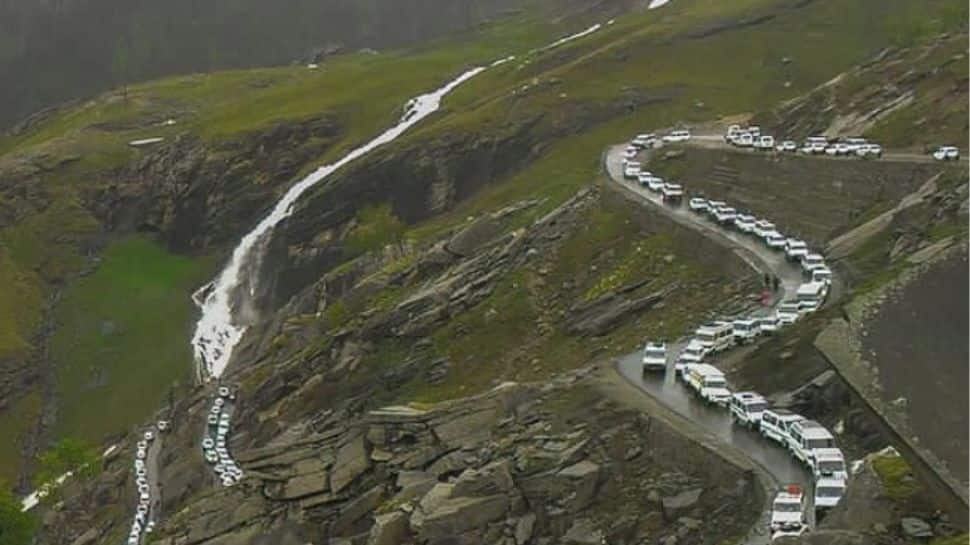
665,389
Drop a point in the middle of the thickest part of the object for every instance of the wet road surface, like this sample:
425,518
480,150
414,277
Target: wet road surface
666,389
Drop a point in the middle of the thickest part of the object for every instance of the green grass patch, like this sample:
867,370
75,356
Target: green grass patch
15,423
961,539
896,476
122,337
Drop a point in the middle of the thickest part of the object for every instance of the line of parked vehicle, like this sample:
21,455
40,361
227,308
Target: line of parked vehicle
215,445
751,137
806,440
142,523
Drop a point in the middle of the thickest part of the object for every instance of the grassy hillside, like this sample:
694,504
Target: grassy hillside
691,62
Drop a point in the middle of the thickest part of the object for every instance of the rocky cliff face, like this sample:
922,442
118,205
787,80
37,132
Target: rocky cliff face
539,464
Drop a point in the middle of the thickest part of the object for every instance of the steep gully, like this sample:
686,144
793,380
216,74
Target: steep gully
776,462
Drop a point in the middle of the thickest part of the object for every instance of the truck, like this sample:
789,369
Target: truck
788,513
708,383
747,408
655,357
715,336
775,424
806,437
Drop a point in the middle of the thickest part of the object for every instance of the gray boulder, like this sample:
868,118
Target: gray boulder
389,529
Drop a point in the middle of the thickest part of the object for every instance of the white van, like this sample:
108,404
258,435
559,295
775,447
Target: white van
810,296
644,140
815,144
788,513
829,462
746,330
708,383
631,170
775,424
946,153
807,436
725,215
765,142
762,228
747,408
828,492
715,336
744,223
654,357
775,240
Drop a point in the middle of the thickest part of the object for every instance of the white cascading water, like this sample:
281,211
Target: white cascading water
220,327
217,332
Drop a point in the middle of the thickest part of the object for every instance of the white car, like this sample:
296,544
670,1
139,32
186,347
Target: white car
768,324
787,146
149,435
869,150
795,249
744,139
854,144
655,184
810,262
744,223
143,496
677,136
698,204
765,142
672,193
747,408
628,153
725,215
806,437
162,425
631,170
828,492
655,357
815,145
788,312
788,513
775,240
141,445
839,148
732,132
762,228
822,274
208,443
141,454
946,153
754,130
647,140
213,419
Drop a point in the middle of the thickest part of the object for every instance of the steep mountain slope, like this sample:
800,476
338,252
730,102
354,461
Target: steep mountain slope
476,249
56,51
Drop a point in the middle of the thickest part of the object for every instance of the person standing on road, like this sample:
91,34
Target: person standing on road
775,283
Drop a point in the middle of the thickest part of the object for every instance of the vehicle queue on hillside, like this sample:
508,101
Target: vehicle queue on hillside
807,441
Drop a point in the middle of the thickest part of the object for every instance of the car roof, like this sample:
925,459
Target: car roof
785,413
829,454
830,481
706,369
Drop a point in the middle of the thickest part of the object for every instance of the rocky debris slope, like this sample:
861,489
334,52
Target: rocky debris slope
904,95
537,464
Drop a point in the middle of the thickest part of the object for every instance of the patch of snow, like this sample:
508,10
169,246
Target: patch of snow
572,37
654,4
34,497
145,142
